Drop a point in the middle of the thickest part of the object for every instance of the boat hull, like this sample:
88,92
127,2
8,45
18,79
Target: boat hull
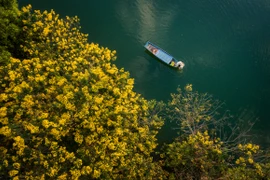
162,55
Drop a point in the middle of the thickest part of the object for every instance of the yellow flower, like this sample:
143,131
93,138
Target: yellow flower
28,101
38,66
78,163
96,174
16,178
86,170
19,141
78,138
62,176
250,160
112,70
12,75
130,81
61,159
62,121
16,165
70,106
3,111
240,146
116,91
39,23
55,132
249,153
3,97
26,61
46,31
52,172
61,81
44,115
118,131
5,163
111,146
25,9
5,130
70,95
249,146
24,85
65,116
49,16
45,123
45,164
241,159
188,87
75,174
98,100
31,128
13,173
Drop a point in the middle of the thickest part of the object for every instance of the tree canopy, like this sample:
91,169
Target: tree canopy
68,111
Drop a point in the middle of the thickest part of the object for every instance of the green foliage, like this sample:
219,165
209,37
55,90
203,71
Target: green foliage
245,173
67,112
196,154
8,28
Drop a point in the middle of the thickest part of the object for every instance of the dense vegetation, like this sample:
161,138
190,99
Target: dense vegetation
67,112
9,29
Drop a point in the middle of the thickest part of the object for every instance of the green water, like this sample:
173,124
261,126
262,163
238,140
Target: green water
225,45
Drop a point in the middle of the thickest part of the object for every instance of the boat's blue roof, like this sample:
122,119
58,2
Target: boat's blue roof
161,54
164,56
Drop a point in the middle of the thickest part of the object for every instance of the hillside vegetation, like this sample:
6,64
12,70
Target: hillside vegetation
67,112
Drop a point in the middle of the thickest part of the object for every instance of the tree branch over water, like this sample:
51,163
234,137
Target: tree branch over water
193,112
211,142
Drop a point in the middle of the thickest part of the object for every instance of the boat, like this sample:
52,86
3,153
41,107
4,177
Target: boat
163,55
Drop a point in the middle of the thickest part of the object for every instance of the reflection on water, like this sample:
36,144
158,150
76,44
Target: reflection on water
145,20
143,66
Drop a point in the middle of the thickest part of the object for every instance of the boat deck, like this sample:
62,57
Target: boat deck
158,52
164,56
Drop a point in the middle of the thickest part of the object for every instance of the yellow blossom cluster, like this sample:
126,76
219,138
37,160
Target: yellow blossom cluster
68,112
203,140
197,151
247,153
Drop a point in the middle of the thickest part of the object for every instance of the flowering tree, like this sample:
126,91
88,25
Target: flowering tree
203,150
68,112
